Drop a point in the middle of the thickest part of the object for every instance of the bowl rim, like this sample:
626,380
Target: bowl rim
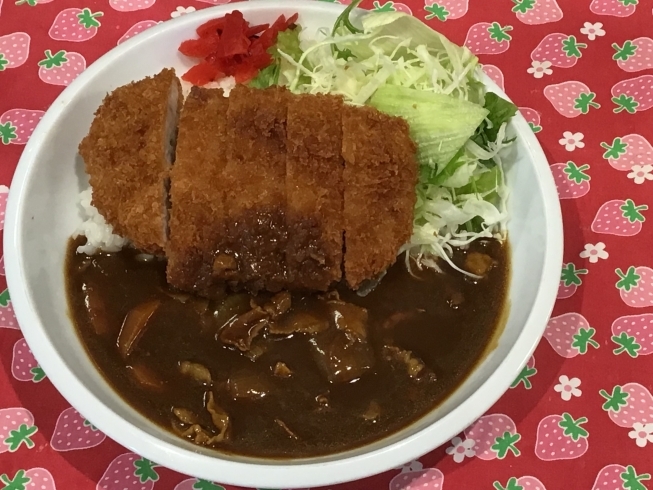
294,474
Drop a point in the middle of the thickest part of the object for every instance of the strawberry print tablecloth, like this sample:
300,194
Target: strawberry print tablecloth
580,415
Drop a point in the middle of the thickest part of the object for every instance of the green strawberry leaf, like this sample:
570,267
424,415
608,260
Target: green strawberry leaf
37,374
505,443
633,481
7,130
206,485
145,470
499,33
585,101
386,7
625,103
511,485
626,344
576,173
21,435
629,280
18,482
4,298
436,11
573,427
584,339
616,400
615,150
535,128
622,53
524,378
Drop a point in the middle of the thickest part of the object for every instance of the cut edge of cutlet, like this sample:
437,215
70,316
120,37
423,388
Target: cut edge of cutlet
127,155
379,199
197,213
314,187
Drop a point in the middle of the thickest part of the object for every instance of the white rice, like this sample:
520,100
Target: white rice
99,234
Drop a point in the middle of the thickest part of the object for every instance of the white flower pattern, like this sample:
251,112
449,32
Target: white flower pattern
594,252
571,141
568,388
642,433
179,11
641,173
539,69
592,30
461,449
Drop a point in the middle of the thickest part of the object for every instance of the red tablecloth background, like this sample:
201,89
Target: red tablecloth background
581,416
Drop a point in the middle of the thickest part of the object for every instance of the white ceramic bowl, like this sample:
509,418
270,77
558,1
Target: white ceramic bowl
42,213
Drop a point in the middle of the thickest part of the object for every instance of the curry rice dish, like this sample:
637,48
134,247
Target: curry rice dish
262,213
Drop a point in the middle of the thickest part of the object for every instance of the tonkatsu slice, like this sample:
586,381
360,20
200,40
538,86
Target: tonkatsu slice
255,182
128,152
198,219
379,198
314,190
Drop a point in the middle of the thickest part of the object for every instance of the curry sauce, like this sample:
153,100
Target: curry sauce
286,375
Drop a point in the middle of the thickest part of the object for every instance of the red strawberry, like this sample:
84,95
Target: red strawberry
628,404
215,2
633,95
486,38
75,25
429,479
195,484
617,477
569,280
72,431
627,151
532,117
2,273
17,125
571,180
16,429
527,372
391,7
561,437
561,50
621,218
494,435
571,99
23,365
131,5
32,479
446,9
636,286
495,74
61,68
635,55
522,483
534,12
633,334
129,472
617,8
570,334
14,50
4,193
137,29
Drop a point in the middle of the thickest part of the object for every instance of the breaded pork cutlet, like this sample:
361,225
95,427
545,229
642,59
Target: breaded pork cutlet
128,152
198,220
379,178
315,191
255,179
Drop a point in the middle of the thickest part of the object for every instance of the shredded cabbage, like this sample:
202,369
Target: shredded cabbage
461,194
